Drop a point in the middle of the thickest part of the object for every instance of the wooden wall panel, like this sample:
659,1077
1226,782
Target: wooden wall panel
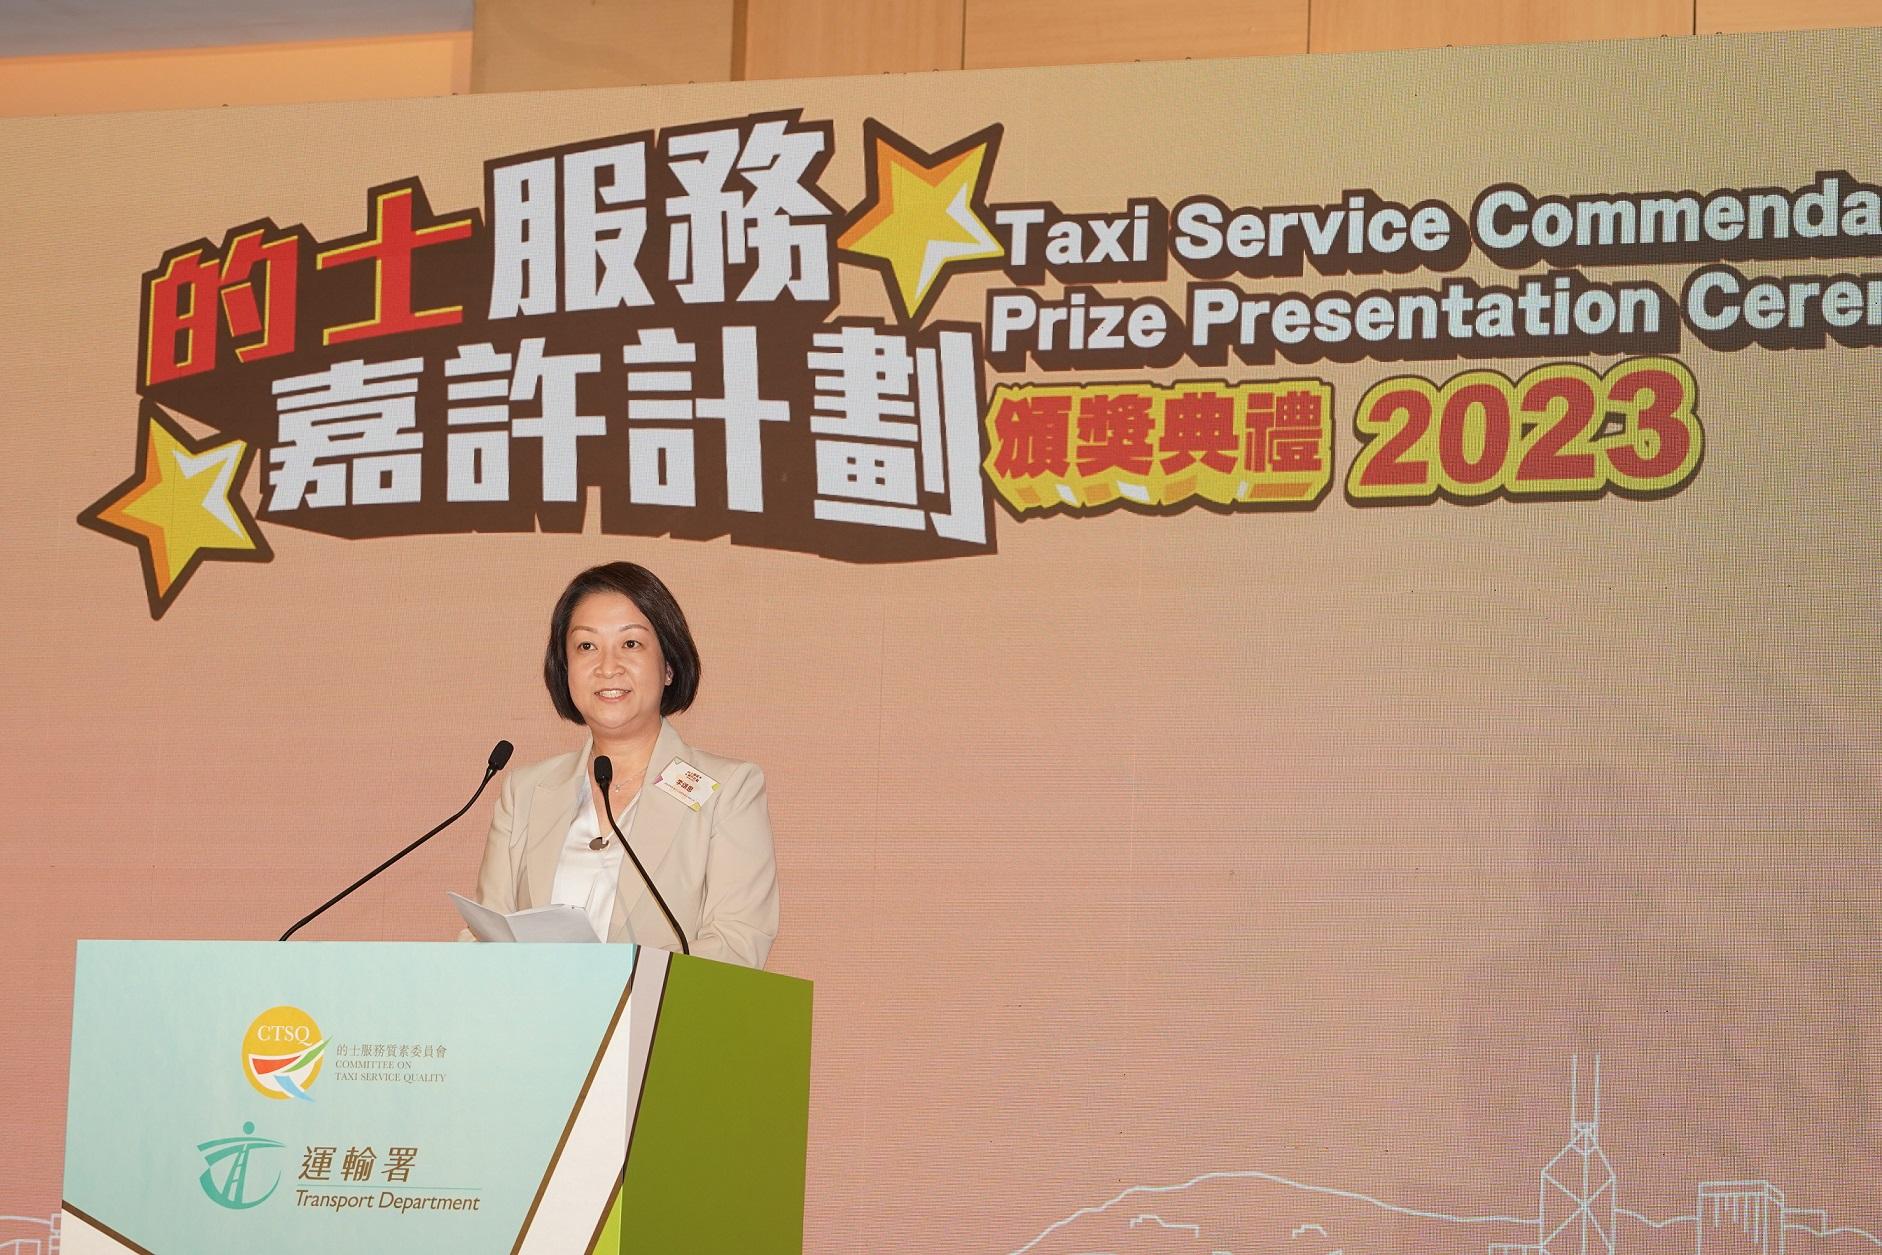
808,38
243,74
1715,16
1086,32
556,43
531,45
1370,25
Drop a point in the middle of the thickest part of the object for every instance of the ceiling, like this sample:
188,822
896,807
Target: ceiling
36,28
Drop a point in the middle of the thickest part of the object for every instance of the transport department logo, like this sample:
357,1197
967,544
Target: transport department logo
282,1053
230,1155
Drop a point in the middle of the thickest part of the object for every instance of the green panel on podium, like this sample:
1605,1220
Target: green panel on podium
720,1092
235,1097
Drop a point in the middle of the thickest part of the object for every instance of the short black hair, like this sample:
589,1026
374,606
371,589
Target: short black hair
644,589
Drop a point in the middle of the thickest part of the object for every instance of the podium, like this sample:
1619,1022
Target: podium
233,1098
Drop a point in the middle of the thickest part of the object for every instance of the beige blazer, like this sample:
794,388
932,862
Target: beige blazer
714,865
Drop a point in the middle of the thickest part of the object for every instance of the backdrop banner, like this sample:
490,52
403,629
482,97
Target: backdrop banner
1311,623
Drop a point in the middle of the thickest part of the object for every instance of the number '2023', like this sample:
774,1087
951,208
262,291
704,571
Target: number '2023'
1562,430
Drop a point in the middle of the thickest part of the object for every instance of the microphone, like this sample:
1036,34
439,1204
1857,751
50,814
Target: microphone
499,758
604,776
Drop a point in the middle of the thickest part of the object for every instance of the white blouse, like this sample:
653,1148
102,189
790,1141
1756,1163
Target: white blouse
586,877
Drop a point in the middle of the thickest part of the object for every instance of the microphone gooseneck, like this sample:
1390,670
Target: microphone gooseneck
604,776
604,779
499,755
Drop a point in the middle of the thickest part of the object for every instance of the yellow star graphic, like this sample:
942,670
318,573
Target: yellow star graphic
921,219
181,506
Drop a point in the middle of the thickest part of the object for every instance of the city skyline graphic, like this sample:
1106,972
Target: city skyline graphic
29,1235
1578,1212
1219,1213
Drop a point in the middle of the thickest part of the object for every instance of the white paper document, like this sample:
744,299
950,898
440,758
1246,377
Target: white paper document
539,923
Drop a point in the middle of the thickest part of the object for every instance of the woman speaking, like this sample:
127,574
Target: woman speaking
619,660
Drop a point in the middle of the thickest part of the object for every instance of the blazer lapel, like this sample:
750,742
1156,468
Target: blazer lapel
657,819
553,809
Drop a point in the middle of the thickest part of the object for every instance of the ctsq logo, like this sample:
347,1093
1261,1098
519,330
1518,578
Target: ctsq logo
282,1053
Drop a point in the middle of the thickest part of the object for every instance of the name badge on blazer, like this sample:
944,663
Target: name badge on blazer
687,783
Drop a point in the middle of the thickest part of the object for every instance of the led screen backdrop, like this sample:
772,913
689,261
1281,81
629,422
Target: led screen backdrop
1311,624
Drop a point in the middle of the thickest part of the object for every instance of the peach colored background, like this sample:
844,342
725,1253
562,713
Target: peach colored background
1312,845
